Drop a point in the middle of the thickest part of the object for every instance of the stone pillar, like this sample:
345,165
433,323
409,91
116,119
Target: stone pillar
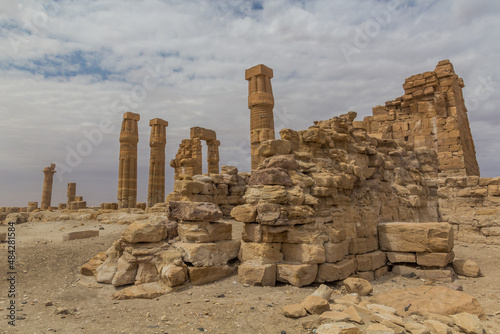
71,193
127,175
213,156
157,142
261,104
47,186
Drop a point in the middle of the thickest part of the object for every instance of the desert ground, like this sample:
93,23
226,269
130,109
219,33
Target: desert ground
53,297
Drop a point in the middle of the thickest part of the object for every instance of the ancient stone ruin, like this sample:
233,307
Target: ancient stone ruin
127,177
188,160
158,140
47,186
261,104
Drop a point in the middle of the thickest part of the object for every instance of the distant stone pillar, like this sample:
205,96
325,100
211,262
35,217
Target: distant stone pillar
261,104
213,156
71,193
47,186
157,142
127,175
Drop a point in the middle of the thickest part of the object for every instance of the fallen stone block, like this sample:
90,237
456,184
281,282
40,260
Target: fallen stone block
358,285
294,311
338,328
315,304
89,268
296,274
469,323
80,235
146,291
396,257
425,299
467,268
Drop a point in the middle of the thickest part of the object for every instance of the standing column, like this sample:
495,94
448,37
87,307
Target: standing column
213,156
127,175
71,192
261,104
157,142
47,186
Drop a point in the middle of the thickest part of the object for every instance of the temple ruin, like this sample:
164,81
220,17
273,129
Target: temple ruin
261,104
47,186
188,160
157,142
127,177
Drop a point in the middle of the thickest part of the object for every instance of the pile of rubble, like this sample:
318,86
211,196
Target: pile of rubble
422,310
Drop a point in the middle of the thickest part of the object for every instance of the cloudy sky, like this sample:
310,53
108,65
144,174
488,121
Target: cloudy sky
69,69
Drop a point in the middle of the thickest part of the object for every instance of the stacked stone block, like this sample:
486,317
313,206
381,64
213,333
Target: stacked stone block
225,189
410,246
313,205
205,242
471,204
431,113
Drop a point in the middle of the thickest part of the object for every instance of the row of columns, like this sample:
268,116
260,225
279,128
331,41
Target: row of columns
260,103
127,175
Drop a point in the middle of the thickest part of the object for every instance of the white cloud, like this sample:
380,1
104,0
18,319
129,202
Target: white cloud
63,72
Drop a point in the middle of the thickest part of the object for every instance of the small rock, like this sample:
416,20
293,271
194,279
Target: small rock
334,316
315,304
61,310
467,268
468,322
378,329
48,303
294,311
324,291
358,285
338,328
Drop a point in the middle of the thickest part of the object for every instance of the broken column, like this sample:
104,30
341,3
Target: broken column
157,142
71,192
261,103
47,186
127,176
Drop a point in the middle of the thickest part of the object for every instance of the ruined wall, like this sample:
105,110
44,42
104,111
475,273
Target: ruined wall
313,205
472,205
225,189
432,114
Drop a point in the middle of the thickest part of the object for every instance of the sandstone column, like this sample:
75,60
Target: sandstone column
157,142
127,175
213,156
71,192
261,103
47,186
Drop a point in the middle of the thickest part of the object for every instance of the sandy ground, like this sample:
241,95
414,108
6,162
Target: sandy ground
48,270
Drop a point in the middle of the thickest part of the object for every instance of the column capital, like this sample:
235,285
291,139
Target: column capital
258,70
158,121
132,116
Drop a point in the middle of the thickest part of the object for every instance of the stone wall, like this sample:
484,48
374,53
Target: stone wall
225,189
431,113
313,205
472,205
